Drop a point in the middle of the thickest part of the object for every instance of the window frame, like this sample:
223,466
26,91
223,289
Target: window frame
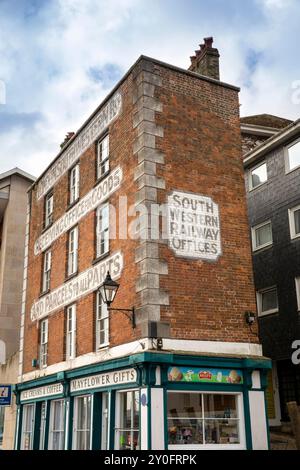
259,294
75,429
73,255
117,427
253,236
44,343
73,198
240,418
99,162
98,319
62,432
47,222
251,187
71,334
291,212
288,169
99,233
46,276
31,432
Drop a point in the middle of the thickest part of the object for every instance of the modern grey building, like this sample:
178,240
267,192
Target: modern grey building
272,171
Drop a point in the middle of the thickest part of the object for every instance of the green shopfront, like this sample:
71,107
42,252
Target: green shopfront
151,400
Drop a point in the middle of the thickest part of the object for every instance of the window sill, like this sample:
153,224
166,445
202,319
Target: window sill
101,178
268,313
46,228
71,276
44,293
261,248
258,186
104,347
72,204
100,258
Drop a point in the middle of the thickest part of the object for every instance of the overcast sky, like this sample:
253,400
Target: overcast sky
59,59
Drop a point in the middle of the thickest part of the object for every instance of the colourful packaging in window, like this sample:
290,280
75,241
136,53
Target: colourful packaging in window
205,375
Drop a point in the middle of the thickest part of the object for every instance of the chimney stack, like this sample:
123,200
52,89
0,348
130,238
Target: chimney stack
206,60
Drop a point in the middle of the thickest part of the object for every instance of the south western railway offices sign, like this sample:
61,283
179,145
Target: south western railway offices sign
194,226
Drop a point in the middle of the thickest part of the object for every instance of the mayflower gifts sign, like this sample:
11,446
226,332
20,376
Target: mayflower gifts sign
194,226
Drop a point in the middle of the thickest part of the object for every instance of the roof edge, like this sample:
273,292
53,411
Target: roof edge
19,172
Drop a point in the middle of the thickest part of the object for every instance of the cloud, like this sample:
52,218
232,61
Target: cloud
60,58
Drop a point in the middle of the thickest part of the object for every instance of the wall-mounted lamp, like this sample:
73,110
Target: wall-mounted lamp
108,292
250,318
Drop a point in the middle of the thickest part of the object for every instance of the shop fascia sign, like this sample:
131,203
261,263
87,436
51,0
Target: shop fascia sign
80,144
89,202
81,285
42,392
107,379
193,224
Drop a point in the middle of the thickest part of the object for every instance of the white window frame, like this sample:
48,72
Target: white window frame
105,425
62,430
49,206
292,222
43,425
101,162
118,427
253,236
240,418
297,282
251,187
75,429
74,183
102,314
73,251
31,432
71,332
288,169
259,302
47,271
101,230
44,328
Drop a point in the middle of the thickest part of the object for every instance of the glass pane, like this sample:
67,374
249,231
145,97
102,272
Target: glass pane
263,235
186,405
83,440
185,431
104,434
297,221
259,175
221,431
269,300
220,406
128,440
294,156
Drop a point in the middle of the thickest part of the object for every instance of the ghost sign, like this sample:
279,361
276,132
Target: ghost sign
194,226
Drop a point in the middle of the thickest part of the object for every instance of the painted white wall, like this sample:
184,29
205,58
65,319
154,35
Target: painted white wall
256,379
144,421
258,420
157,419
2,352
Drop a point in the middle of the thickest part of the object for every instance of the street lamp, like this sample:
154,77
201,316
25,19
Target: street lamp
108,292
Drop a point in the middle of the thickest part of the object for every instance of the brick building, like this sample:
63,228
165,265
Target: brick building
150,189
272,171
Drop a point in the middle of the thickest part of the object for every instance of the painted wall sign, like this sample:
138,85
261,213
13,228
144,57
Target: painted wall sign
88,203
5,395
42,392
194,226
104,380
80,144
196,375
83,284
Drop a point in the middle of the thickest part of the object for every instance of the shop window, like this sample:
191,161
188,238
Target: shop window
46,272
57,425
44,343
27,427
102,323
48,210
203,419
127,421
267,301
262,236
258,175
103,157
71,332
82,423
294,219
293,156
105,422
43,425
102,230
73,251
74,184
